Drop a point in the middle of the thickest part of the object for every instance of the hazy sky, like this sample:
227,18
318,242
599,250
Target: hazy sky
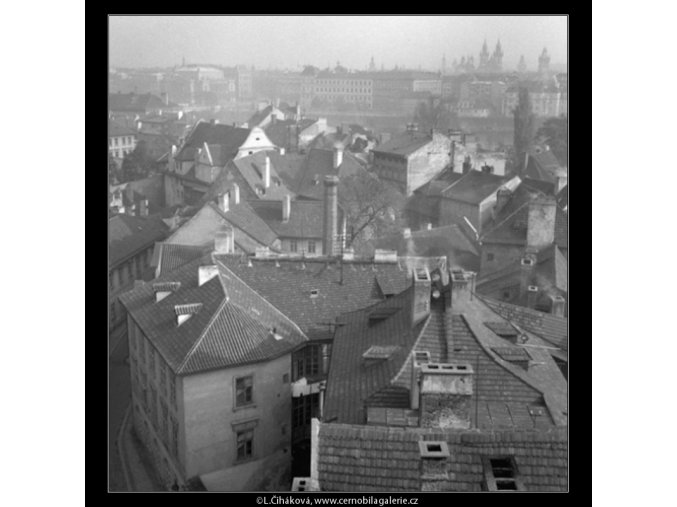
292,41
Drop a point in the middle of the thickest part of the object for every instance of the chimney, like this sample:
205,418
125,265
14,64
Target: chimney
557,307
266,173
338,155
143,208
406,233
236,193
532,296
462,289
418,359
224,202
502,198
422,286
446,395
541,223
286,208
206,273
467,164
488,169
224,242
527,266
282,151
330,229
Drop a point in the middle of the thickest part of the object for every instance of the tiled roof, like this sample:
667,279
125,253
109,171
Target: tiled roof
563,197
550,275
305,218
128,235
543,165
404,144
378,458
232,326
504,394
116,130
351,380
551,328
249,230
170,257
281,133
252,167
259,116
320,163
474,187
229,138
359,289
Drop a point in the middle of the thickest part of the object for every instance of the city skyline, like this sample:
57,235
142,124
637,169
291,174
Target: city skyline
351,40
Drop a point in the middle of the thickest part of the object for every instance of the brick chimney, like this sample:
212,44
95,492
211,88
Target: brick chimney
462,289
502,198
532,296
286,208
422,287
143,208
446,395
236,193
338,155
224,242
224,202
330,229
541,222
527,267
266,173
557,307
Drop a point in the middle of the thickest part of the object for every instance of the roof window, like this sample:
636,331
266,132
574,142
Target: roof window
500,474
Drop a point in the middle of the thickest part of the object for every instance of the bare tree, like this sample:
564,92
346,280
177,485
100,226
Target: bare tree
431,114
372,208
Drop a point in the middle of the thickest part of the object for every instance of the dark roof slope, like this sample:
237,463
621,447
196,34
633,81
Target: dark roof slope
287,283
320,163
305,218
227,137
474,187
378,458
128,235
404,144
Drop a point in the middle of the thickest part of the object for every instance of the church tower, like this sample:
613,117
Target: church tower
544,63
497,58
522,65
484,57
372,65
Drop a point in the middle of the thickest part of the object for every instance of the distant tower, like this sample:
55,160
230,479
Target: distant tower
497,58
544,63
484,57
522,65
444,64
372,65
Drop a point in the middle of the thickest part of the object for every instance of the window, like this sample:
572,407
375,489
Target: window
245,440
500,474
243,391
311,246
293,245
307,362
304,409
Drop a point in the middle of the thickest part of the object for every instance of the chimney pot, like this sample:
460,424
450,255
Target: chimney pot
266,173
286,208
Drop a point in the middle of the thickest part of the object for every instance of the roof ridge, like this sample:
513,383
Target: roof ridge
197,343
265,301
396,378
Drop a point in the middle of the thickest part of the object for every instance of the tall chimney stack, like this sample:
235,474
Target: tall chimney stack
330,229
224,202
532,296
286,208
557,307
527,267
224,242
143,208
541,223
266,173
338,155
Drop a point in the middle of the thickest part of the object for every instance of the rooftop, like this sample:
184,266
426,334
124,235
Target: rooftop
228,138
128,235
223,332
404,144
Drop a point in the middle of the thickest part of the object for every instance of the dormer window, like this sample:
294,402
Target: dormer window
500,474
